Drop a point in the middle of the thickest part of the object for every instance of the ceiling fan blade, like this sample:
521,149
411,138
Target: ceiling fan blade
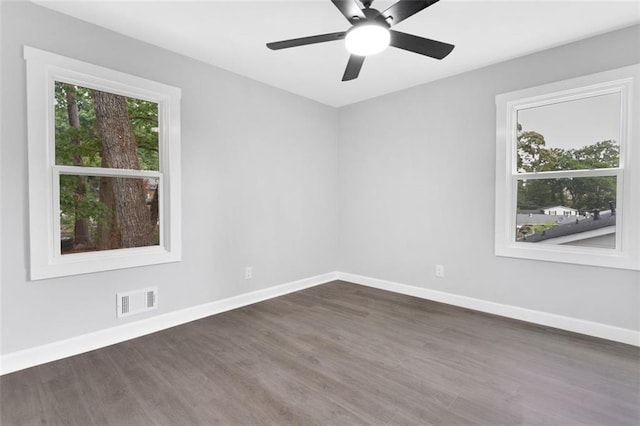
423,46
277,45
353,67
404,9
350,10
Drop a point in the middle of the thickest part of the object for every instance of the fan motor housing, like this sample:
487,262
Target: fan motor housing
374,15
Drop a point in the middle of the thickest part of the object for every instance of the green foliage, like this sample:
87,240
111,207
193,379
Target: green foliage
534,156
86,149
86,206
584,194
539,193
530,229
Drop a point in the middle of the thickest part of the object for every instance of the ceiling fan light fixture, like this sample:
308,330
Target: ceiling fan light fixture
367,39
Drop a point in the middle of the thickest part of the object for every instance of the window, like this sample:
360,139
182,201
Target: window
567,171
104,168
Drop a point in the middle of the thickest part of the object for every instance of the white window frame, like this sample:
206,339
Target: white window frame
46,261
626,254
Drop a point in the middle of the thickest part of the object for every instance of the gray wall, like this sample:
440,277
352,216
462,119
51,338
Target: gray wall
417,172
294,188
259,185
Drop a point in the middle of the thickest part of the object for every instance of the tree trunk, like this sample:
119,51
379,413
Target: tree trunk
108,231
81,236
119,150
155,213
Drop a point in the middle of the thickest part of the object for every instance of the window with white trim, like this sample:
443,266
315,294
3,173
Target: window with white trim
104,168
568,171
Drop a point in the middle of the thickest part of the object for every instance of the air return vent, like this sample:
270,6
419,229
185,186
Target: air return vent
137,301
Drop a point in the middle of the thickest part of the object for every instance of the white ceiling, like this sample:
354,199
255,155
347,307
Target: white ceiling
232,35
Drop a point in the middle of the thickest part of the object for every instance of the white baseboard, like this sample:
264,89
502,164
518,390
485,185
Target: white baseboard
76,345
87,342
604,331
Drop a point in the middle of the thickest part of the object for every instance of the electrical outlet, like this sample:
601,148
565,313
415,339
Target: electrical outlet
440,271
248,272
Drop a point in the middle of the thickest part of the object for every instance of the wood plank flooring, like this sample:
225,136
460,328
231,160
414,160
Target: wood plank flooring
337,354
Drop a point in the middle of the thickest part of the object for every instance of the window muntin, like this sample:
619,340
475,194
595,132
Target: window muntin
62,154
569,147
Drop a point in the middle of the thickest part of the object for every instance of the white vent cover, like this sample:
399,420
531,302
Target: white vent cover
136,301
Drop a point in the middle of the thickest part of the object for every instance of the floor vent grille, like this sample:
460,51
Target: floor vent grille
136,301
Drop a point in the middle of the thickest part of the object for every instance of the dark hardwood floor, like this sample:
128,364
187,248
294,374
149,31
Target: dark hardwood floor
337,354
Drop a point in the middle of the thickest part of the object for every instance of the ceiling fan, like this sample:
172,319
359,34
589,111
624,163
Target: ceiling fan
370,33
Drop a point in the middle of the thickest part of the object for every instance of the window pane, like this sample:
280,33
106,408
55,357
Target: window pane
106,213
578,211
579,134
101,129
